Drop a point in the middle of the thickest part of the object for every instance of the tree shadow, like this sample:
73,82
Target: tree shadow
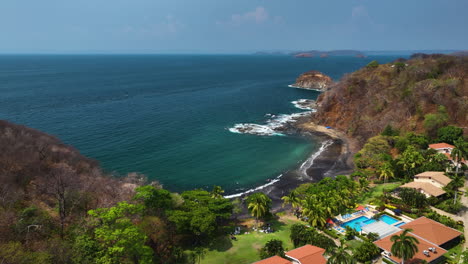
221,244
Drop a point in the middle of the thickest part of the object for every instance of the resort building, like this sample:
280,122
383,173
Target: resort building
273,260
307,254
446,149
429,183
427,250
433,231
434,238
442,147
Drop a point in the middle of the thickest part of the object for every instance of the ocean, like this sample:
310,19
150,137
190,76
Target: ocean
172,118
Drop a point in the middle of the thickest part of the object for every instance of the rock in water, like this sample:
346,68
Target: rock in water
313,80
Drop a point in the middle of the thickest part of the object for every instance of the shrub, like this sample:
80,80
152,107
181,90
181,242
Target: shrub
366,252
272,248
373,64
432,122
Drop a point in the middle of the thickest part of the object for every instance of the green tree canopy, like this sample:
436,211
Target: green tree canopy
449,134
434,121
155,200
272,248
404,246
340,255
119,239
366,252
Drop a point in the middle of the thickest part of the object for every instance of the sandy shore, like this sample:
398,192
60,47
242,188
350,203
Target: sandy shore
335,159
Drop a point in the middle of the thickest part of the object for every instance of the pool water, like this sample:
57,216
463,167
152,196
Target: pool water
400,224
388,219
358,223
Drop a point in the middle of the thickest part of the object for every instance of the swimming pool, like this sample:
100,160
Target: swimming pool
357,223
388,219
400,224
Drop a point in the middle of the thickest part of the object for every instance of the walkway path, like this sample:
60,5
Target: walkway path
461,216
464,214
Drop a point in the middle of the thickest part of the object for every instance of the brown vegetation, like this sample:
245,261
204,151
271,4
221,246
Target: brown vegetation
421,94
46,185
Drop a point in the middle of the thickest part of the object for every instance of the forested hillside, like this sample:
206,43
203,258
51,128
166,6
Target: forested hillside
421,94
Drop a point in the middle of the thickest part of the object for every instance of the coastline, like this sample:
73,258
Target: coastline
334,158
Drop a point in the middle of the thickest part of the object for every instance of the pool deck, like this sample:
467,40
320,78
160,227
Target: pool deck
369,214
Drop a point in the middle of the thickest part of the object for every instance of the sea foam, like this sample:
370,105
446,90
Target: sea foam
272,126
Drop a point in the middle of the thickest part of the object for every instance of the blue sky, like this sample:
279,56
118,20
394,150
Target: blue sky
217,26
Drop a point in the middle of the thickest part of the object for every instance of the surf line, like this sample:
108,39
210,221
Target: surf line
302,169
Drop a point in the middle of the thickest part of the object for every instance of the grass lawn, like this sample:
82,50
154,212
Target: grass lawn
376,191
353,244
244,250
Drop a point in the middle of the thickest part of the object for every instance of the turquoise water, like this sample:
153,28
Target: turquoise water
359,222
388,219
167,117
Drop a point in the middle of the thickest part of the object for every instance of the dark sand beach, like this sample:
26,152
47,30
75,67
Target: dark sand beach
335,159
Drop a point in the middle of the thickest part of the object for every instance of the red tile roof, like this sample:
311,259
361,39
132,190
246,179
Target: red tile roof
431,230
440,146
386,245
308,254
273,260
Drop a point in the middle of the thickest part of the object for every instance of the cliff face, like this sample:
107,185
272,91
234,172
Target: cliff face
313,80
400,94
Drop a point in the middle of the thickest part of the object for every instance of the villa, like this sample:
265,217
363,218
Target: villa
307,254
434,238
430,183
442,147
446,149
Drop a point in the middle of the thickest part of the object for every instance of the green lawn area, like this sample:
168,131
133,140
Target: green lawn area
377,191
353,243
244,250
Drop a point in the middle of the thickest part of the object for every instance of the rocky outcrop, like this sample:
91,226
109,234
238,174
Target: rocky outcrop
313,80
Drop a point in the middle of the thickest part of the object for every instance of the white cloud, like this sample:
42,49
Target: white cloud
166,27
257,16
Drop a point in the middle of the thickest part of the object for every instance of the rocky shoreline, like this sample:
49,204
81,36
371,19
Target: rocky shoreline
334,159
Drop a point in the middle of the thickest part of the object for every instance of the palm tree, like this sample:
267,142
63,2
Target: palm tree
340,255
404,246
292,198
258,205
217,192
459,153
455,184
386,172
316,213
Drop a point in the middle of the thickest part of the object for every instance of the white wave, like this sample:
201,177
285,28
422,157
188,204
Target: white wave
304,104
271,127
310,161
254,129
277,179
